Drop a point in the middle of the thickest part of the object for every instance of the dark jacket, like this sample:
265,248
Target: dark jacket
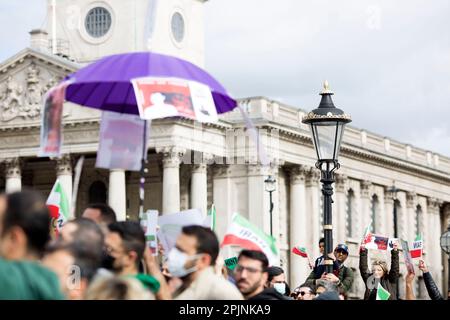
328,295
389,280
269,294
432,289
345,275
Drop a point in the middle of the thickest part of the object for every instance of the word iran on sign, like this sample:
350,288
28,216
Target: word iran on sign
244,234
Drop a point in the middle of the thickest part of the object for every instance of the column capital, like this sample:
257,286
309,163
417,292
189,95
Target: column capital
201,162
365,188
221,170
297,173
171,156
433,205
411,198
341,181
13,168
64,165
312,177
258,170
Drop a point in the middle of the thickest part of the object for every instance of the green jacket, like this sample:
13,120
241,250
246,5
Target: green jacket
24,280
346,278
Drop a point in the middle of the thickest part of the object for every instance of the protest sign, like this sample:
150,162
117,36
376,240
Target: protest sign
121,141
231,263
51,126
170,226
408,260
169,97
149,222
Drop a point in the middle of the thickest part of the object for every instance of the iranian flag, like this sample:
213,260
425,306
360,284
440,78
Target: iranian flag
244,234
301,251
58,206
382,294
417,247
210,219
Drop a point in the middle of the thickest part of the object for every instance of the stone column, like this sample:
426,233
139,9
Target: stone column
299,223
339,208
313,194
117,193
13,173
222,198
171,178
433,248
258,198
366,204
64,175
389,212
199,188
411,200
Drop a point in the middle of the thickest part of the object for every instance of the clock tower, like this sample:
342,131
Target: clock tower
86,30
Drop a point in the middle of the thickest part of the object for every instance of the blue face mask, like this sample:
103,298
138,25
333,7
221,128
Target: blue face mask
280,287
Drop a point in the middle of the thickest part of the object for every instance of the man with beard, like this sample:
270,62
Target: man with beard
125,246
251,276
342,275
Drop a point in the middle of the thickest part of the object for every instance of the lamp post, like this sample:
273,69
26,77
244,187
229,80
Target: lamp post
445,246
270,184
327,124
393,190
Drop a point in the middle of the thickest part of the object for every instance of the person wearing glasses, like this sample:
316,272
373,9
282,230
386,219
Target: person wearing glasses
342,276
304,292
251,277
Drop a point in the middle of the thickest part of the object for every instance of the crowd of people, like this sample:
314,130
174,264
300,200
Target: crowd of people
95,257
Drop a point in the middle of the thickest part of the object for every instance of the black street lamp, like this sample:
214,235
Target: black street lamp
393,190
445,246
270,184
327,125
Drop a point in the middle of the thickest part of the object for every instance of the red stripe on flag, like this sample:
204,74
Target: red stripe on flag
299,252
416,253
230,239
54,211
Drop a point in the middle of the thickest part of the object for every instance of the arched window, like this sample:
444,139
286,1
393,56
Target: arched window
418,219
97,192
374,212
349,213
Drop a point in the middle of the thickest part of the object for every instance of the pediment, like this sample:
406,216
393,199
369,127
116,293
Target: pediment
24,80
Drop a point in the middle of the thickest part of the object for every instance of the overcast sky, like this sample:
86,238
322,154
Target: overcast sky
388,62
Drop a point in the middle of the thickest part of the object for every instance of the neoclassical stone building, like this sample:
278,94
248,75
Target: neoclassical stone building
193,166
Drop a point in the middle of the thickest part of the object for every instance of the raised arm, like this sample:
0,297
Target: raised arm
394,273
363,266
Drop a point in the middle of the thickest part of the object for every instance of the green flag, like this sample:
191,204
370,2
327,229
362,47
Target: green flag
382,294
212,216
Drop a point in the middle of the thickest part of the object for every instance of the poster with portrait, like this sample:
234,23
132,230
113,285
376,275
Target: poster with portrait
121,141
171,97
163,97
51,126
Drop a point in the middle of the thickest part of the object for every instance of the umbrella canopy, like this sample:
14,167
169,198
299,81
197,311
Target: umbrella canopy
106,84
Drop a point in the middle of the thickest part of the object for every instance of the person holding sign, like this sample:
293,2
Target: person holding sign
379,274
432,288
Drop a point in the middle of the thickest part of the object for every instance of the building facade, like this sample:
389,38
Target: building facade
193,165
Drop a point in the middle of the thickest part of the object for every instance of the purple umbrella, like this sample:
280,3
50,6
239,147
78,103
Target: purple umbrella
106,85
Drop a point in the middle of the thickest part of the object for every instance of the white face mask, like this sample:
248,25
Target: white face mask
280,287
176,263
